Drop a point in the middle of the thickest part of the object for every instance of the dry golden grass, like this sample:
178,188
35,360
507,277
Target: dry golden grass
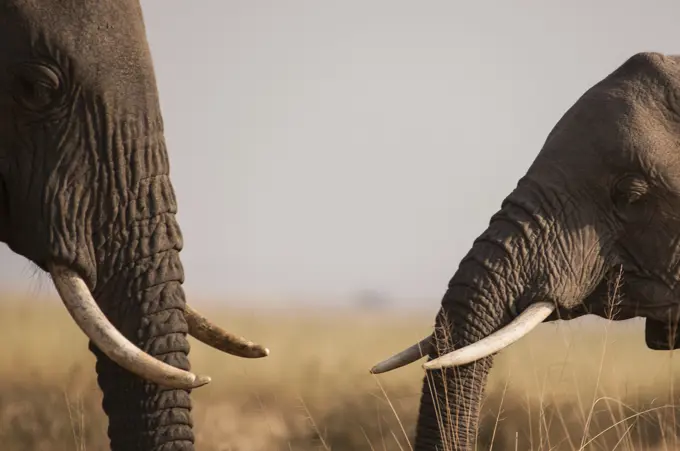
568,386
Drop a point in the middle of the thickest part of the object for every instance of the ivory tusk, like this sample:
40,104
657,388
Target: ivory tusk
531,317
88,316
212,335
408,355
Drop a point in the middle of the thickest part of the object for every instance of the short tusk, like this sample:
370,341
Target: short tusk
202,329
408,355
88,316
535,314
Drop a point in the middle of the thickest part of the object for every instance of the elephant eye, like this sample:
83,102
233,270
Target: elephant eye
35,86
628,190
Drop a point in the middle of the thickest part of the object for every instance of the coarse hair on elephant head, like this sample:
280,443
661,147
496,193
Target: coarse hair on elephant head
85,194
598,211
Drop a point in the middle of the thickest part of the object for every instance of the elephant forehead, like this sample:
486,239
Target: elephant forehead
104,40
628,122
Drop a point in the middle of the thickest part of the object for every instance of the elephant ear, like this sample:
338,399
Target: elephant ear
661,335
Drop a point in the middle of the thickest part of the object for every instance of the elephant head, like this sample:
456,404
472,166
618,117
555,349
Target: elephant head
85,194
599,204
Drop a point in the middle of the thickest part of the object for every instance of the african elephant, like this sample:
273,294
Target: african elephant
600,201
85,194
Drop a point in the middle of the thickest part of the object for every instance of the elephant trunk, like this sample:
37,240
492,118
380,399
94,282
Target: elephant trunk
142,415
537,253
139,289
475,305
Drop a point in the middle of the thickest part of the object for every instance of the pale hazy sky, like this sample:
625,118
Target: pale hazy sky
319,148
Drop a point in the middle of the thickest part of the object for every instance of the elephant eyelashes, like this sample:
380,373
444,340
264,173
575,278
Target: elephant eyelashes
35,86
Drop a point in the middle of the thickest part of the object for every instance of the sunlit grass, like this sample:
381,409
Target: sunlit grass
555,390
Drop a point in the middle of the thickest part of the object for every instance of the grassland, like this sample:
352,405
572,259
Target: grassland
565,387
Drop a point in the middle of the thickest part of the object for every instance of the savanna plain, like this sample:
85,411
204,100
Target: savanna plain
580,385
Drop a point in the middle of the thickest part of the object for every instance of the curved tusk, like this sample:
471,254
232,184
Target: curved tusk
408,355
531,317
88,316
202,329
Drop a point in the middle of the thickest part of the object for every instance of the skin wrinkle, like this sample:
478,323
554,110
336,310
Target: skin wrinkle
142,287
479,312
125,201
565,208
78,224
546,226
498,279
150,341
522,255
480,325
594,248
121,238
130,212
